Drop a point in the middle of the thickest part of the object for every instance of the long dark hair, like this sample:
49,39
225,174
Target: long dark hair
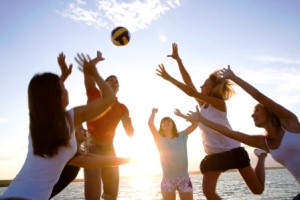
48,127
174,128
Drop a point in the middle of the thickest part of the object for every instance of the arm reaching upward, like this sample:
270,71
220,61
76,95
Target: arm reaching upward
152,127
65,70
286,117
89,82
216,102
184,73
99,107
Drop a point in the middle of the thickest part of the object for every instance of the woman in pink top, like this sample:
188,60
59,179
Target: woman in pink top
282,128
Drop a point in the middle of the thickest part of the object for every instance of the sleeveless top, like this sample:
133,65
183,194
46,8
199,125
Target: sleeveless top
173,155
288,153
38,175
214,142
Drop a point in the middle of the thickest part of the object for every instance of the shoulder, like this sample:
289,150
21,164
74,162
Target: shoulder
122,107
93,92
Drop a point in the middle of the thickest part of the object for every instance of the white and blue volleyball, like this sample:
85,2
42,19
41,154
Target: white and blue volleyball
120,36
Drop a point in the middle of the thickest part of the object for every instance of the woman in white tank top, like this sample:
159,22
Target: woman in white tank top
223,153
52,140
282,128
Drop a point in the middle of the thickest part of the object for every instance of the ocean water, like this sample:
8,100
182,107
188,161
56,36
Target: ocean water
280,185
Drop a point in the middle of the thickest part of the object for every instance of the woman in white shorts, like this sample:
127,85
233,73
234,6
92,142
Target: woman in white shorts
172,147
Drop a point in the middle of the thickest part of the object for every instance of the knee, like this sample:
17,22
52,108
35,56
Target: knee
258,191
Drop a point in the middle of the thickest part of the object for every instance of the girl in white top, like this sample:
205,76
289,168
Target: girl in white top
52,139
282,128
223,153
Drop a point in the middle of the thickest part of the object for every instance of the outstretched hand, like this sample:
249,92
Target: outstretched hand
162,72
178,113
99,56
85,64
65,70
227,73
194,116
174,54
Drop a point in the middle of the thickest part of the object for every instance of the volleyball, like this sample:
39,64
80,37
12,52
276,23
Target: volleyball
120,36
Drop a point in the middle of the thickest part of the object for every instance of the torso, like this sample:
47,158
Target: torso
214,142
286,151
38,175
103,129
173,155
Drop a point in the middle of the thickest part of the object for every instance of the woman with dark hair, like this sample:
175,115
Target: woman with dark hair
282,128
52,141
172,147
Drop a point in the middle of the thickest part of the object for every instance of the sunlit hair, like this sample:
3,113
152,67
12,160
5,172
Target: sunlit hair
174,128
48,127
272,117
222,88
111,76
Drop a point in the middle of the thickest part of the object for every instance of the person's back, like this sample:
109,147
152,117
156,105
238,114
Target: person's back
43,172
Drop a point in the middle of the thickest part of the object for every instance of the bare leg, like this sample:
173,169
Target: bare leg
168,195
186,195
209,184
255,179
92,184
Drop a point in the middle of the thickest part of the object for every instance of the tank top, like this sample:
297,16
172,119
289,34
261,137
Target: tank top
38,175
214,142
288,153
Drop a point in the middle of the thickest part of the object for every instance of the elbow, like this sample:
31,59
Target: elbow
190,92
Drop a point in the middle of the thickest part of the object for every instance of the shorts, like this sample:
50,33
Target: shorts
181,183
234,159
297,197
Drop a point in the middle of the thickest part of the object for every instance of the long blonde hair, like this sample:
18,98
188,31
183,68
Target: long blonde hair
223,88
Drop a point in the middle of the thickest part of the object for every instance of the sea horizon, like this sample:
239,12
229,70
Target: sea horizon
6,182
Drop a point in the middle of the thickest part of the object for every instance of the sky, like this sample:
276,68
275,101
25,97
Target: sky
260,40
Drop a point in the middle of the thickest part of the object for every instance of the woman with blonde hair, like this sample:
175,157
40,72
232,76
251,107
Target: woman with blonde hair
282,128
223,153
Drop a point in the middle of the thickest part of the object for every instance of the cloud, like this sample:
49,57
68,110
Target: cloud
134,15
3,120
270,59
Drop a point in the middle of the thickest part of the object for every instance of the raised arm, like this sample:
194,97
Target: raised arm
284,114
65,70
257,141
190,128
96,161
89,82
184,73
100,106
216,102
152,127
